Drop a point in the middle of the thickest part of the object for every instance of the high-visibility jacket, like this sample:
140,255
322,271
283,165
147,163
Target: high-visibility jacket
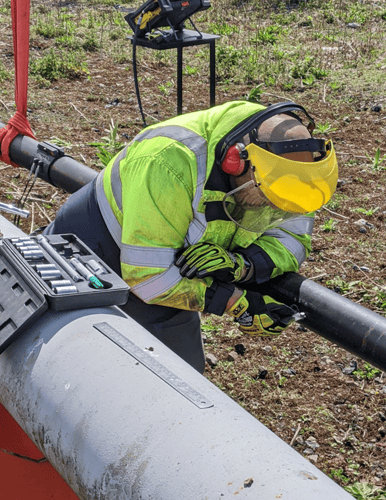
159,194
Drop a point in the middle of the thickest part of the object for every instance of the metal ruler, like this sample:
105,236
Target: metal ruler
153,365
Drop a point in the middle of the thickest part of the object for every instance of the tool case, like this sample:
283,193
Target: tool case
33,280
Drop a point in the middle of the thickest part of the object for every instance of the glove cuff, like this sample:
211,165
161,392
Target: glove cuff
217,296
241,267
239,307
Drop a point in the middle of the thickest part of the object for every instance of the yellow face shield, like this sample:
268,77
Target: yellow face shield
296,187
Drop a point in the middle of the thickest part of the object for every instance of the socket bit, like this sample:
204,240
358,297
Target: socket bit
60,290
50,274
58,283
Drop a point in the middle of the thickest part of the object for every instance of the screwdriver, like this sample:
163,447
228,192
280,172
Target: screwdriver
82,270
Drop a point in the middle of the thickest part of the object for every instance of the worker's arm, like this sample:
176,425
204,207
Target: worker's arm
156,217
280,250
277,251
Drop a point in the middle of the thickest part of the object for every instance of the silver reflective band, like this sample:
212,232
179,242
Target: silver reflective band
157,285
116,183
290,243
299,225
107,212
147,256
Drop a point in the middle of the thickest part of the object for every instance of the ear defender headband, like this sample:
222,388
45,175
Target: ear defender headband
231,155
292,186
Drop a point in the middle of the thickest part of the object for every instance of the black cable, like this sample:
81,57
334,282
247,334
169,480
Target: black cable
135,74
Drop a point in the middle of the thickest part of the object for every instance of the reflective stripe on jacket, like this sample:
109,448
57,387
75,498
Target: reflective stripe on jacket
152,197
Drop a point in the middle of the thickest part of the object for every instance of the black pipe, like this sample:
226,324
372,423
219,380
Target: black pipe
65,172
343,322
353,327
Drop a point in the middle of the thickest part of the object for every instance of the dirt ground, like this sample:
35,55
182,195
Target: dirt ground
299,385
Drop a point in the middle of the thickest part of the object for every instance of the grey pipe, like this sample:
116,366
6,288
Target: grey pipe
114,429
65,173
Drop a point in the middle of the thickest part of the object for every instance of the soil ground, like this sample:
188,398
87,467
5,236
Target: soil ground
299,385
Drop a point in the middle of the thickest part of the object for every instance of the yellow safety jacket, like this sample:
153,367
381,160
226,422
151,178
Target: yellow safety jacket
155,197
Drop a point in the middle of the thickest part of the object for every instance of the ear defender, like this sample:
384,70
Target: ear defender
235,162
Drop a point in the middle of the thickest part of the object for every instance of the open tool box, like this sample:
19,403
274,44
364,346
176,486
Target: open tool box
56,271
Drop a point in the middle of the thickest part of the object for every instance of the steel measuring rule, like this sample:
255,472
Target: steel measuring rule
153,365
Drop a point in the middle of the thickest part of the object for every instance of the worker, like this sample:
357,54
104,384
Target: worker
198,210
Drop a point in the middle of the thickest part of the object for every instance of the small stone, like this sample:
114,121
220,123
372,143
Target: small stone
232,356
377,108
267,348
240,349
363,222
354,26
326,360
365,269
248,482
313,458
299,440
308,451
347,119
312,443
340,183
349,370
362,230
211,360
289,372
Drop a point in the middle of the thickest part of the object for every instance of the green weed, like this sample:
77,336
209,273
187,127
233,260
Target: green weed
328,226
338,474
4,73
368,372
54,65
335,202
222,28
366,491
189,70
254,95
377,160
269,35
109,146
324,128
369,212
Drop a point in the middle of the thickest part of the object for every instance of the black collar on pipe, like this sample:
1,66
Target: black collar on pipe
64,172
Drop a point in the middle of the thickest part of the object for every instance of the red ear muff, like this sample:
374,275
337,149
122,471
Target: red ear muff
234,161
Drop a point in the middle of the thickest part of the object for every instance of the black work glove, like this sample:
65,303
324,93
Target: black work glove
261,315
208,259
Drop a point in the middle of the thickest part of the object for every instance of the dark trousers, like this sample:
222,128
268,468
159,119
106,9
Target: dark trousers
179,330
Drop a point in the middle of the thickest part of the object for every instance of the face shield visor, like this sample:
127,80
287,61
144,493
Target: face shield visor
292,186
250,209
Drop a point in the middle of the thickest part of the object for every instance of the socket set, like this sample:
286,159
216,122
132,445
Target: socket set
55,271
